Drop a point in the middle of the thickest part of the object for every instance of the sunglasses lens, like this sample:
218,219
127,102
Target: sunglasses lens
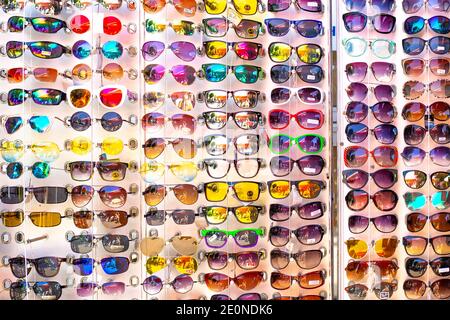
215,99
45,219
247,73
385,200
441,221
113,71
216,239
357,91
83,266
215,27
354,21
216,215
115,265
439,45
248,29
246,50
440,266
441,200
280,73
82,195
246,238
185,265
357,200
279,212
217,281
279,189
358,224
280,95
115,243
183,74
440,156
249,280
184,50
440,133
415,222
309,189
81,244
216,191
385,133
414,246
413,46
413,111
277,27
310,95
12,218
356,71
279,236
385,178
311,143
439,67
153,73
155,264
309,53
356,132
356,249
279,51
414,67
309,235
384,111
413,90
355,179
14,49
356,111
183,100
152,285
111,121
81,170
215,72
186,193
40,170
215,49
152,50
357,291
185,171
46,50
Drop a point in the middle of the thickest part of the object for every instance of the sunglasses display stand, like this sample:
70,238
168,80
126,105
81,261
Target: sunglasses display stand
381,278
50,237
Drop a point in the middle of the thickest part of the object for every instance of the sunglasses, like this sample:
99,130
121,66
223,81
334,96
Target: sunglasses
152,171
108,170
246,281
309,211
183,74
241,6
311,119
111,196
416,267
45,151
183,264
245,50
244,99
415,67
280,73
181,284
183,100
39,24
384,247
384,200
379,5
39,49
416,200
307,143
413,6
311,280
307,260
245,29
185,193
45,266
246,168
416,24
357,21
38,123
414,46
110,121
414,156
245,191
414,134
382,71
245,144
381,48
110,265
244,238
112,243
155,217
186,8
382,290
244,214
415,89
279,27
42,74
305,5
245,296
307,235
14,170
307,189
384,93
154,121
184,245
245,120
416,246
384,156
246,260
306,95
44,290
111,219
181,27
386,270
111,288
415,221
385,223
309,53
311,165
415,289
217,72
383,133
415,111
184,50
184,147
357,179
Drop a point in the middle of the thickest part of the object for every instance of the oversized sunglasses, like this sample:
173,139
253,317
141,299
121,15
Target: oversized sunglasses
311,119
416,66
384,200
181,284
384,156
379,5
416,221
186,8
414,46
245,144
306,95
357,91
416,24
386,223
413,6
416,201
385,270
357,21
183,245
414,156
382,71
184,50
416,267
415,289
155,121
383,133
415,111
182,74
384,247
357,179
413,89
383,290
414,134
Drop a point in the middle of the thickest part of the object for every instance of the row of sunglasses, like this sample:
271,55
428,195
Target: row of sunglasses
114,96
408,6
187,8
248,214
213,27
278,51
115,196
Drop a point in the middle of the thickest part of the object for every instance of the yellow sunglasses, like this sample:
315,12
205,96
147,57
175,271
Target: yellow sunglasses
110,145
246,191
183,264
244,7
152,171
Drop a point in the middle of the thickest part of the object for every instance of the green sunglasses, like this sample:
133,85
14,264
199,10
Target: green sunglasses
307,143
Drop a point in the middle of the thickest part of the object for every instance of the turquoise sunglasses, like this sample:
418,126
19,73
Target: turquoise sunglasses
416,201
217,72
381,48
